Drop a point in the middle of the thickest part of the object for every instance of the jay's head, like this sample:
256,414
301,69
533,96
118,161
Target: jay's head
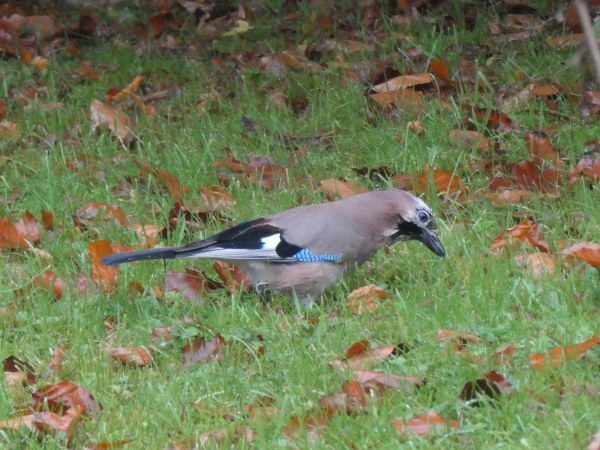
414,221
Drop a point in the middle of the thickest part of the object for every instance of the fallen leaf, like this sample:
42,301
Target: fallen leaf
403,82
595,443
525,232
216,197
491,385
351,400
49,280
103,274
84,215
537,265
56,362
371,379
193,284
365,359
423,424
234,279
540,147
62,396
116,121
17,371
364,299
338,188
136,356
588,166
21,234
9,130
201,350
560,355
568,41
503,354
416,128
469,139
585,251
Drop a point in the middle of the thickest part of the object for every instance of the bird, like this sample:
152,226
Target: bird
304,250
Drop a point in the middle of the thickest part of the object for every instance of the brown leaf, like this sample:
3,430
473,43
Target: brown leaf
107,275
457,340
338,188
560,355
568,41
137,356
468,139
49,280
509,196
106,445
403,82
405,383
491,385
50,423
490,119
404,99
503,354
588,166
18,422
585,251
219,436
47,219
540,147
171,183
56,362
216,197
537,265
423,424
116,121
416,128
193,284
364,299
525,232
62,396
201,350
312,424
232,276
88,212
20,234
369,357
23,371
9,130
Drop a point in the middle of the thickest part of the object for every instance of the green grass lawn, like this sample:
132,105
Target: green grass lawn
471,290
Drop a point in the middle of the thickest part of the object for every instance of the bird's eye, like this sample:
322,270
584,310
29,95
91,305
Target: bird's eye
423,216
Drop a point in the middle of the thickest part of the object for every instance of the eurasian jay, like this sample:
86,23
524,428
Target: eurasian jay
308,248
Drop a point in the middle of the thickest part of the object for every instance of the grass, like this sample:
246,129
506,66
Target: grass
470,290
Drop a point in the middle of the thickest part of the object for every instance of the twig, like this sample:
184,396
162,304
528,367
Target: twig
589,34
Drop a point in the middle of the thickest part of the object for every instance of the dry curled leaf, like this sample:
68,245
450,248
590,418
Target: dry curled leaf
136,356
121,126
338,188
365,299
423,424
585,251
536,265
559,355
201,350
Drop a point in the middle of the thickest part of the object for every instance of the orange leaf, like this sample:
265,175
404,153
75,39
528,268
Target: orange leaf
216,197
49,280
559,355
585,251
403,82
363,299
422,424
137,356
540,147
525,232
337,188
121,126
108,275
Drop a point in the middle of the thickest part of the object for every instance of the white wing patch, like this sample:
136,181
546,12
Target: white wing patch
271,242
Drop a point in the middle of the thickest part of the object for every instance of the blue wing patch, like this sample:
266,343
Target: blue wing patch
305,256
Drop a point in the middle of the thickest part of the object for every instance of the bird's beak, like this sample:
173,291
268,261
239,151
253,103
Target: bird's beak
431,241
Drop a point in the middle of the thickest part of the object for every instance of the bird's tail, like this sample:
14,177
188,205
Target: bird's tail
115,259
